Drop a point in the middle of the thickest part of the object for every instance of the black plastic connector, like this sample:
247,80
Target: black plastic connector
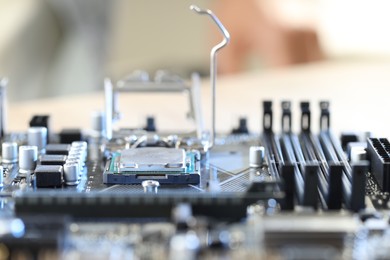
267,116
288,172
358,191
242,127
378,153
286,117
325,115
305,116
310,195
150,124
335,194
67,136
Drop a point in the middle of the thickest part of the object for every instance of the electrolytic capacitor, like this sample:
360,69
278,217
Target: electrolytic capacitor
71,173
28,156
80,147
80,144
256,156
9,152
37,136
97,122
1,176
78,162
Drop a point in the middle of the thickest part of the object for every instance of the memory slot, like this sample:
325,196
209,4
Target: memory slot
273,154
353,177
338,151
309,173
290,159
330,183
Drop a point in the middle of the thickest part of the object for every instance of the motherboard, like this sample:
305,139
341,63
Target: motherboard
112,192
144,194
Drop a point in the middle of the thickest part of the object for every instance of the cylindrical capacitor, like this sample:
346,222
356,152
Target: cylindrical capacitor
73,158
97,122
28,156
150,186
81,154
1,176
256,156
71,173
80,144
78,162
37,136
9,152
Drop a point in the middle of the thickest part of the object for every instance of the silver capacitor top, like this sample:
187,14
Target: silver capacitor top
28,156
80,147
71,173
37,136
256,156
80,144
9,152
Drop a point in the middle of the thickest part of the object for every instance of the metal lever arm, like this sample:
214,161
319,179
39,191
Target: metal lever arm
213,62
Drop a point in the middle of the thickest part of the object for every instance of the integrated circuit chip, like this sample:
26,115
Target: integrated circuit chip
153,159
167,165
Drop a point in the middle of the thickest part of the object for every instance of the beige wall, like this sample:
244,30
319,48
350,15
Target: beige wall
44,53
150,35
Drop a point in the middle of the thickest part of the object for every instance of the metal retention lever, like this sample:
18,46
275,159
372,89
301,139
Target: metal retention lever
3,107
213,62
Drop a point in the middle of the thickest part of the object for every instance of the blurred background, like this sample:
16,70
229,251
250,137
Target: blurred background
57,47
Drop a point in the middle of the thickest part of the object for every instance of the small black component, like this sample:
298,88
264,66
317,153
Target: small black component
378,153
52,159
305,116
310,194
325,115
348,137
67,136
41,120
286,116
358,191
288,172
48,175
335,193
242,127
267,116
58,149
150,124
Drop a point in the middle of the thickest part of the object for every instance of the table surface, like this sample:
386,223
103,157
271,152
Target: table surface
358,92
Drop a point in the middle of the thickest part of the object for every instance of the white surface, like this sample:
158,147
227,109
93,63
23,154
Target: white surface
359,95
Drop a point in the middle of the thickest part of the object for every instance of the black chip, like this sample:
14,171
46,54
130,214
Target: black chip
52,159
48,175
58,149
67,136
